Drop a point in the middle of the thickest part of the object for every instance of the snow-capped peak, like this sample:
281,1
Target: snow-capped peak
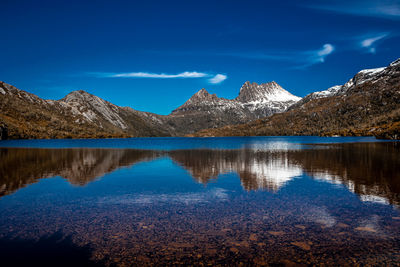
266,92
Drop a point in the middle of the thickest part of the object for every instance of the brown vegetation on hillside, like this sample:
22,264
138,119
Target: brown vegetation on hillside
26,116
371,108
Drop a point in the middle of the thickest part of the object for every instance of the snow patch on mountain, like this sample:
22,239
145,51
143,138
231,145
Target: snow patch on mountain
363,76
372,71
328,92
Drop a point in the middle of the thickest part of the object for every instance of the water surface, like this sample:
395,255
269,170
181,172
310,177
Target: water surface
218,201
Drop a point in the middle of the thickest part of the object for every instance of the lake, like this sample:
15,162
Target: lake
200,201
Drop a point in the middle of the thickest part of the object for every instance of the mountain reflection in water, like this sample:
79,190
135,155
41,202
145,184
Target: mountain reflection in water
259,205
371,170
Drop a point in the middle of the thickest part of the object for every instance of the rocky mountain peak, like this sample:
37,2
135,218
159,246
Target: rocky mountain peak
271,91
77,95
200,100
202,95
94,108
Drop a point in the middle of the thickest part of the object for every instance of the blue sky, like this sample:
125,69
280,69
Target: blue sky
153,55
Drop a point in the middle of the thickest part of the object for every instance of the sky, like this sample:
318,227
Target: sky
154,55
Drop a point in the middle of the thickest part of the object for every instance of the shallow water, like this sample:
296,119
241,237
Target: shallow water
219,201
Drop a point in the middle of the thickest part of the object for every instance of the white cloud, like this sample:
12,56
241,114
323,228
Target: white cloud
327,49
213,78
370,43
186,74
218,78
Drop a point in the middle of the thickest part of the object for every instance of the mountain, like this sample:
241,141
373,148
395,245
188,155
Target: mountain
110,116
368,104
205,110
83,115
78,115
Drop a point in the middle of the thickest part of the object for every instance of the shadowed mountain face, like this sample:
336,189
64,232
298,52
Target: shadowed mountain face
365,169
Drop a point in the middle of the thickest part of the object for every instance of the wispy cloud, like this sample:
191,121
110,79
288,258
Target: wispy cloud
319,55
389,9
312,57
218,78
371,42
214,79
298,59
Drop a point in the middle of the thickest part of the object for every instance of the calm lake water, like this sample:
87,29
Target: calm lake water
200,201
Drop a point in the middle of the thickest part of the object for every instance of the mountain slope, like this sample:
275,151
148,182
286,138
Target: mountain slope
83,115
368,104
205,110
78,115
110,116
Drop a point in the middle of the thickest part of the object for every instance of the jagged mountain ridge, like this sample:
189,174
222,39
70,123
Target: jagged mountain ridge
205,110
259,100
83,115
368,104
